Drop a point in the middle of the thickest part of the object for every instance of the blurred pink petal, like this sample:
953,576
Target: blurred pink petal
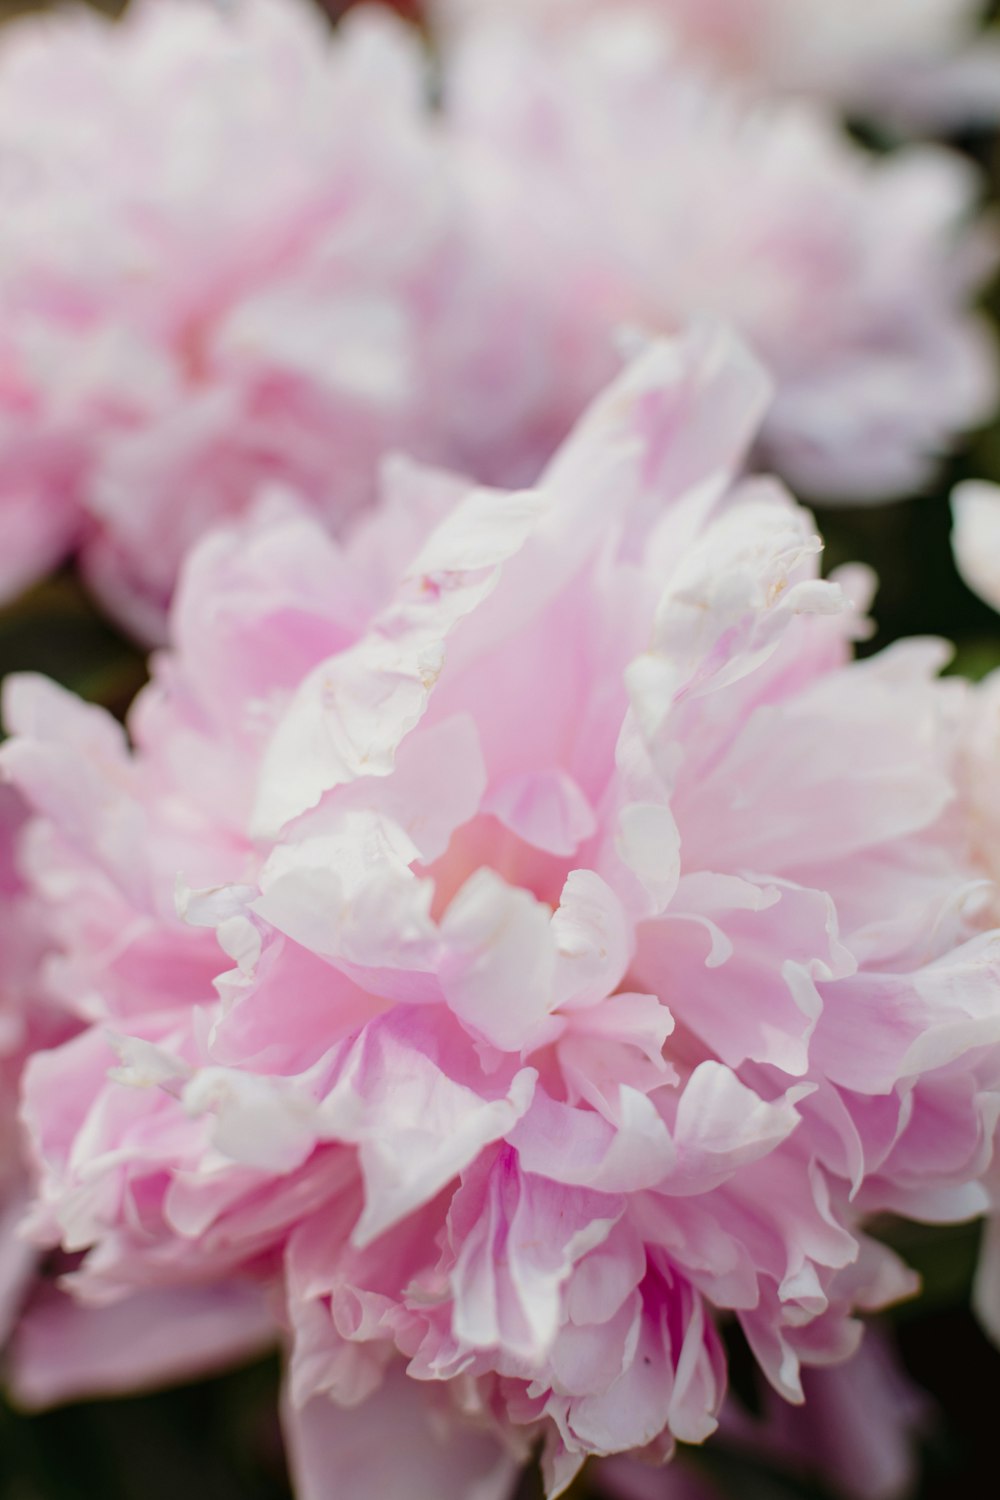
27,1021
627,1479
975,538
858,1432
66,1351
391,1446
850,275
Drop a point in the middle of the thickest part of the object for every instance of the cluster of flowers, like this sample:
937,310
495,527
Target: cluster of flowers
514,939
211,278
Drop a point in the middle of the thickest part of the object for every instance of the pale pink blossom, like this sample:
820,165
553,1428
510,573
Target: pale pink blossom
601,948
920,62
645,194
229,254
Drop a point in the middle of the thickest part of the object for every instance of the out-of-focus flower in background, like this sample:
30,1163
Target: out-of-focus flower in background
226,244
913,62
213,278
644,194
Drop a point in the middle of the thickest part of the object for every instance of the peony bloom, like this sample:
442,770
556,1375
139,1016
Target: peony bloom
227,250
645,195
916,61
600,950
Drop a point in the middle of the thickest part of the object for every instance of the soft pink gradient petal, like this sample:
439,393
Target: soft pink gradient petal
63,1351
391,1447
975,538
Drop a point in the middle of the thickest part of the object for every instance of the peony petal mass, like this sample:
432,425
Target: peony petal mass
521,942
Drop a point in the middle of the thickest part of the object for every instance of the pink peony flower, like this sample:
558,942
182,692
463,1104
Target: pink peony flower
605,950
229,254
916,61
645,195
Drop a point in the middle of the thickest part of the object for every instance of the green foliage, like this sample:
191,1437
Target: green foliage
55,629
